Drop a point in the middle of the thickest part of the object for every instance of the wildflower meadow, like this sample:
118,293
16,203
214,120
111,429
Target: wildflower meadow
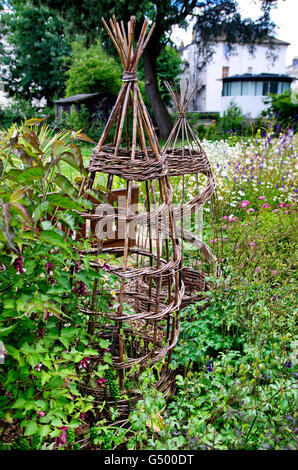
235,363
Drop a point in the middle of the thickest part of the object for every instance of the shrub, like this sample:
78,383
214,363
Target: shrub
283,109
92,70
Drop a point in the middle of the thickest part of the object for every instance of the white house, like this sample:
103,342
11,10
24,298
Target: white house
293,71
4,100
241,76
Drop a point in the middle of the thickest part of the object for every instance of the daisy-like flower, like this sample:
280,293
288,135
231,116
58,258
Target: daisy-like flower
113,293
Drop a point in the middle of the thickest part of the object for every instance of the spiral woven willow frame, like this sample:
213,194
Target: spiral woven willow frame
148,273
186,160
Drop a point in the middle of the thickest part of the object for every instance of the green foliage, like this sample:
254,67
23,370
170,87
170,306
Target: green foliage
44,334
169,66
283,109
21,110
92,70
33,64
82,120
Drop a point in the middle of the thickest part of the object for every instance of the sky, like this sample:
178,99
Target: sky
285,17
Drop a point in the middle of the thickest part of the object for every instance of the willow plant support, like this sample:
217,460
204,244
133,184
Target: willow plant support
186,159
144,327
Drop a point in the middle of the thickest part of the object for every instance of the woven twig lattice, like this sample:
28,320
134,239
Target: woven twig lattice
145,327
186,160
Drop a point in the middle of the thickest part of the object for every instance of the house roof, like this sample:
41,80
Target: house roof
77,98
266,40
259,77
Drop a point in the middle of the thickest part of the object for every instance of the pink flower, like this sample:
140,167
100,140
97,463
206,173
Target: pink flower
100,383
62,439
250,210
83,364
262,197
224,217
274,272
266,205
211,241
49,268
38,367
106,267
252,244
18,264
232,219
41,413
224,227
258,270
224,239
275,210
41,332
83,416
244,204
79,288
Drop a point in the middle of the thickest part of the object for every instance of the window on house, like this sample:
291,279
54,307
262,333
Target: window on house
270,87
225,72
253,88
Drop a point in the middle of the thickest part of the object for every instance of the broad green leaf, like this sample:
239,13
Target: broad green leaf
44,430
24,213
30,428
7,330
57,148
17,195
39,211
64,184
53,238
20,403
64,202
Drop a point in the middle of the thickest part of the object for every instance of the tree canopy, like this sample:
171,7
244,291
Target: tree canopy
92,70
34,47
213,19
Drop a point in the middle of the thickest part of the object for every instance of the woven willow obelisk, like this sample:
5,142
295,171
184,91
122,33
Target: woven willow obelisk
186,158
144,329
